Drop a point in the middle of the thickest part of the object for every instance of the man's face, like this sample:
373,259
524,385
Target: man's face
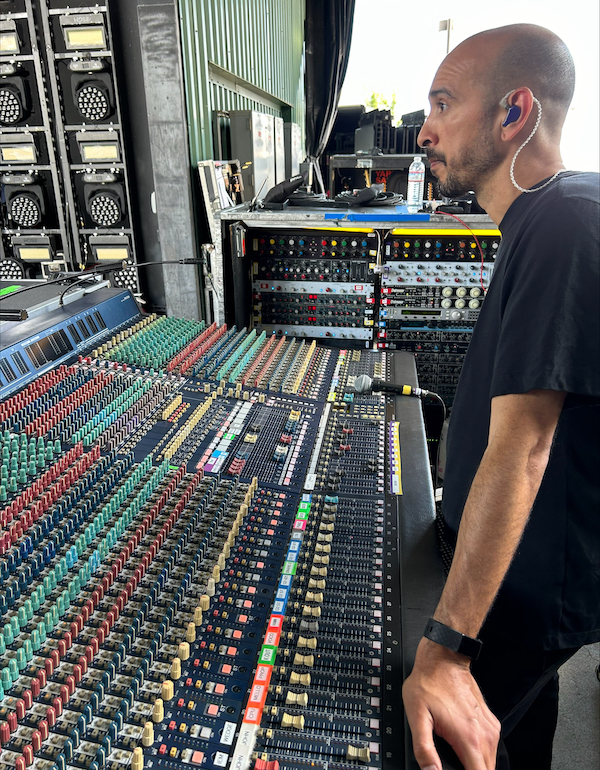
457,135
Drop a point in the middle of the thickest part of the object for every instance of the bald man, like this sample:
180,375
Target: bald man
521,499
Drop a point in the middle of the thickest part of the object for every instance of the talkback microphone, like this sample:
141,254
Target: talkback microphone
364,384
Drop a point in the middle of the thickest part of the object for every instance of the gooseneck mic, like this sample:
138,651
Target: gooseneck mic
364,384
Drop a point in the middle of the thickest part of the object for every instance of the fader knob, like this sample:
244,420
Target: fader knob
446,303
137,760
167,690
158,711
461,291
473,304
148,734
175,671
447,291
460,303
475,292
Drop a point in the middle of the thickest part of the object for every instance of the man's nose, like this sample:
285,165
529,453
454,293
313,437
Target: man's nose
426,135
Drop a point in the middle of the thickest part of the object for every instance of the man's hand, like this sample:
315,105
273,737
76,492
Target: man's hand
441,697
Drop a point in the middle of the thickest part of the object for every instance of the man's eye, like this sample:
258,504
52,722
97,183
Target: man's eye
442,106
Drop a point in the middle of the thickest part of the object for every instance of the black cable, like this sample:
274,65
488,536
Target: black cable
437,454
108,267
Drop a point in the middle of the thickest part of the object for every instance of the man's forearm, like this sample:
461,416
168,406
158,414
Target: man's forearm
494,518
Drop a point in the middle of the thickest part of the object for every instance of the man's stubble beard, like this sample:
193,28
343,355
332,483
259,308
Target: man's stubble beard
471,169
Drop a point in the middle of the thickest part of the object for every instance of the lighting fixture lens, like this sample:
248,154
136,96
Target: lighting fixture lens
9,42
104,209
10,270
85,37
25,210
100,152
18,153
112,253
11,110
92,101
36,254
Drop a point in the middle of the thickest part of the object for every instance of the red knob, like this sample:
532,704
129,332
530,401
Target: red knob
4,733
43,728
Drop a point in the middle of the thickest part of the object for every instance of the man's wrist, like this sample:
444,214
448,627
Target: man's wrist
451,639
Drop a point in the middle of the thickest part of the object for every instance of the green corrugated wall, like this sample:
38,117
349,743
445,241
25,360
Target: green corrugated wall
259,41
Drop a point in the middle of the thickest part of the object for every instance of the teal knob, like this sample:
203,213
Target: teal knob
14,669
28,609
6,678
35,640
28,648
21,659
8,635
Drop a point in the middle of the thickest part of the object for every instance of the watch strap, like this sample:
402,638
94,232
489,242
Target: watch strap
452,639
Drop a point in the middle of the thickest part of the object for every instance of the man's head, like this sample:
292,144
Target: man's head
463,134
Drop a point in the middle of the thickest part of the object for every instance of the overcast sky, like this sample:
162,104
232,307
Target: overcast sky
396,48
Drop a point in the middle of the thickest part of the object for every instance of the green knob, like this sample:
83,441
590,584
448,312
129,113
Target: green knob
3,492
6,678
35,640
28,648
41,628
28,609
23,474
22,617
13,484
14,669
2,645
32,469
21,659
57,447
15,625
8,634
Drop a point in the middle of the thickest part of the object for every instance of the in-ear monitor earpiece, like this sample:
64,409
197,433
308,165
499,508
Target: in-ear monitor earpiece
513,114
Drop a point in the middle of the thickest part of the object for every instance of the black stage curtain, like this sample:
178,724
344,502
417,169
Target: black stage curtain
328,38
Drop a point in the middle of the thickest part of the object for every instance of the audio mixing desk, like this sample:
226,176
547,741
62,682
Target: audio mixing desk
213,552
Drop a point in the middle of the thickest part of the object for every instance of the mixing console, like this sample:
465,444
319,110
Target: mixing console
198,551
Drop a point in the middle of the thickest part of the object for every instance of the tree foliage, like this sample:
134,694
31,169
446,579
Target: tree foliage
377,101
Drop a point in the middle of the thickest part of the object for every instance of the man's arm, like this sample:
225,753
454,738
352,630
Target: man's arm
440,695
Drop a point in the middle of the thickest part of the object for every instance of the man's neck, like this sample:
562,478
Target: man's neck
497,192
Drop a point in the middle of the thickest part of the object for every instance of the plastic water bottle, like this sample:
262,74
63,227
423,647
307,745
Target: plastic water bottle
416,185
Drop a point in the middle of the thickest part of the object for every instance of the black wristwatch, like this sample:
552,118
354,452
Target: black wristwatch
453,640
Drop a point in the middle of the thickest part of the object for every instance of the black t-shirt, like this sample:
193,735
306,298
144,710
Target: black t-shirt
539,328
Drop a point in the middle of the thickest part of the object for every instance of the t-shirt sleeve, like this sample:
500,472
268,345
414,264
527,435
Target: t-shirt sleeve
550,324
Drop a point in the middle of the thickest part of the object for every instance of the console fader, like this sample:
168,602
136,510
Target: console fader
198,551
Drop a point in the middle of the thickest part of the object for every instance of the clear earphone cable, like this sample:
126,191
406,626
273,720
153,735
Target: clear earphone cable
512,165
